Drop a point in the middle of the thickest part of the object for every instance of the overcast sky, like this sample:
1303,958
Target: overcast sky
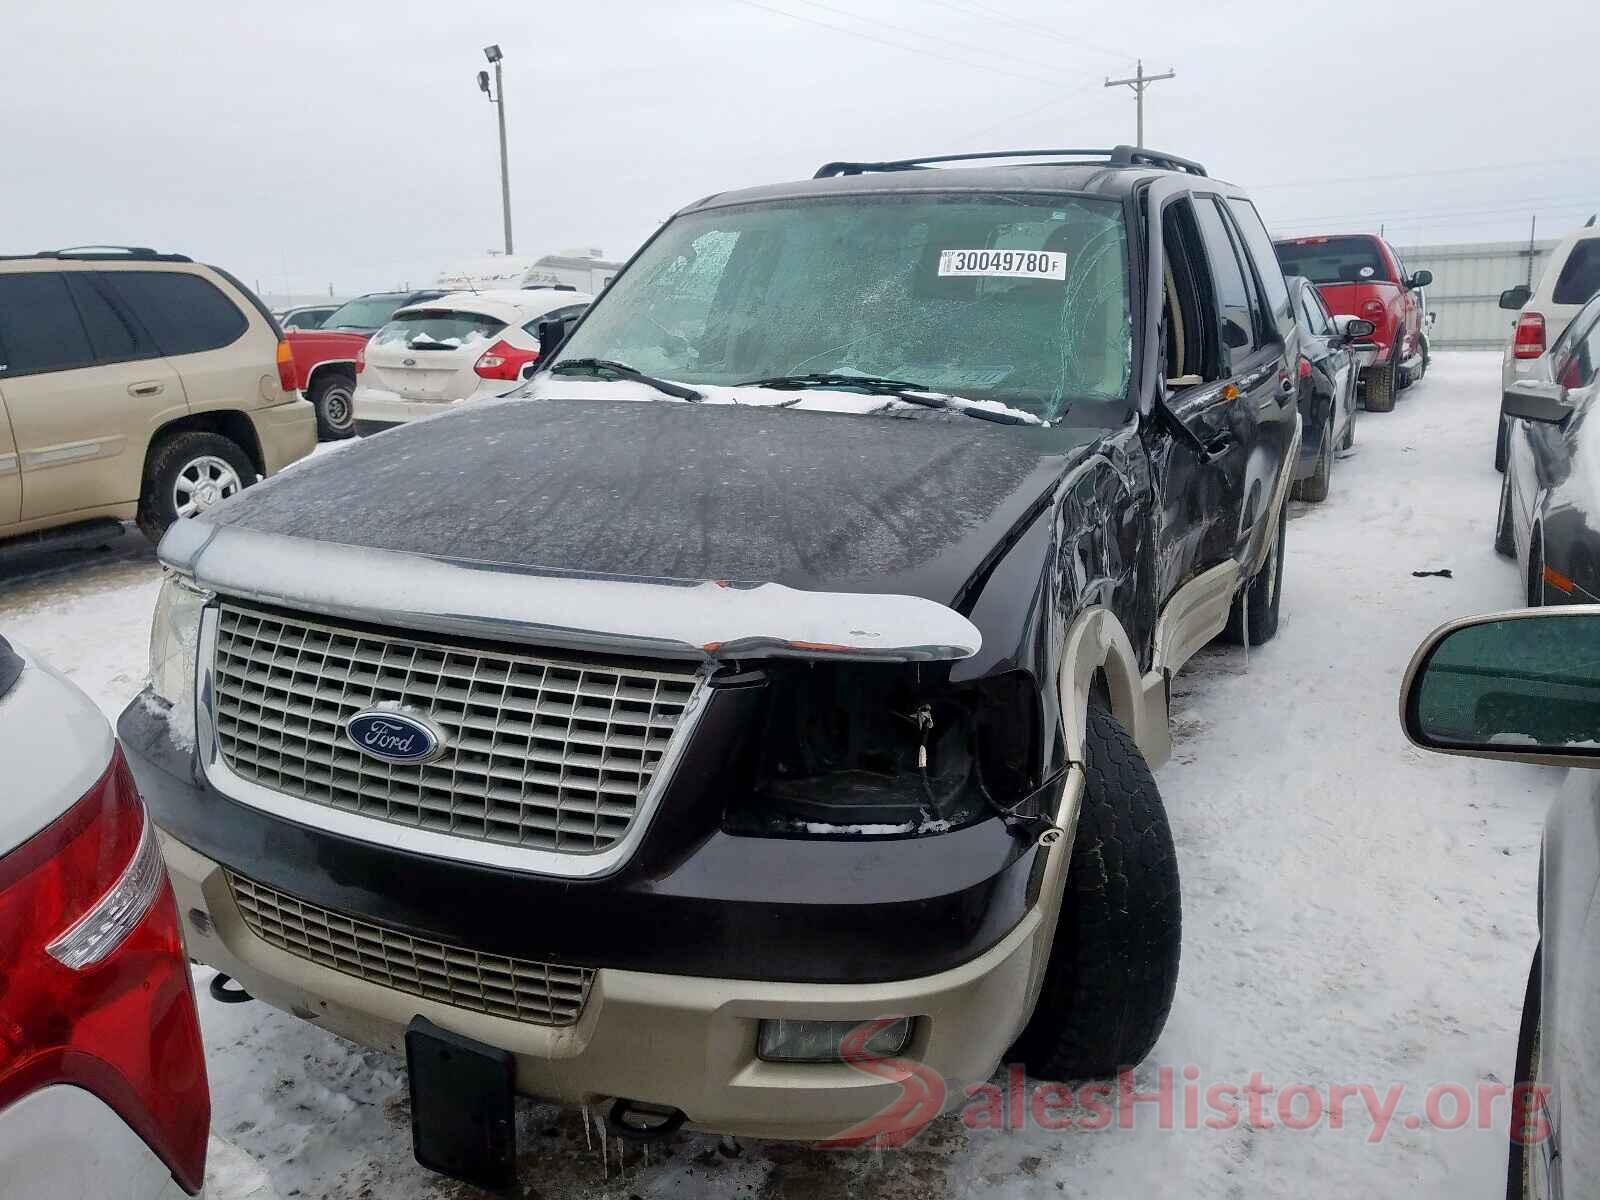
345,143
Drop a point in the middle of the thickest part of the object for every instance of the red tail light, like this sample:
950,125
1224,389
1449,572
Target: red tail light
361,359
1529,342
96,984
1372,310
1305,368
285,365
504,361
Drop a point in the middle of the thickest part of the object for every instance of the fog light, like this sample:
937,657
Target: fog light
828,1041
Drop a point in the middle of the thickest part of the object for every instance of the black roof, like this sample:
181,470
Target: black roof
1110,173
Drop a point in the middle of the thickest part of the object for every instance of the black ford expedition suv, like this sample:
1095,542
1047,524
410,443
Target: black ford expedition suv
787,656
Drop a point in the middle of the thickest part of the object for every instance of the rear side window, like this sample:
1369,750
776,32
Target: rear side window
1580,274
1233,294
40,329
1335,260
1260,247
185,314
438,329
113,334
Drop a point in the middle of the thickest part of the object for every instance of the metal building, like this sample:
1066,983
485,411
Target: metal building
1467,281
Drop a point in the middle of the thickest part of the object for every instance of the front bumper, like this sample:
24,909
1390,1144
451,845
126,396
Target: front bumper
287,433
673,1040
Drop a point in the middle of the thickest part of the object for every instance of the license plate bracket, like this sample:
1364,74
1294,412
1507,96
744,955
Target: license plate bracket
463,1102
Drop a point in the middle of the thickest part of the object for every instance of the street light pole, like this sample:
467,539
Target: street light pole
498,99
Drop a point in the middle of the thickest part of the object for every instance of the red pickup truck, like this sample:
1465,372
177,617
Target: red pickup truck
325,358
1360,275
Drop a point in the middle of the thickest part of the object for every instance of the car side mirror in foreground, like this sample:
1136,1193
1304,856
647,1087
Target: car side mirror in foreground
1421,279
1514,298
1523,686
1536,400
1357,328
550,334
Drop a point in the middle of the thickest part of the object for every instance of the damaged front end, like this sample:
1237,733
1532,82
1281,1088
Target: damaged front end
880,750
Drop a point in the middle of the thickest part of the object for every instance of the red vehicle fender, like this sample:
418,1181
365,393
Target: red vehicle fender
313,348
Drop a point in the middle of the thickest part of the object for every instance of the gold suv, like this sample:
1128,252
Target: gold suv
136,386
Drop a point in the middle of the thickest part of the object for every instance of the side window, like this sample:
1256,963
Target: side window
1273,287
40,329
1580,274
1311,312
114,336
184,313
569,314
1192,329
1577,352
1233,294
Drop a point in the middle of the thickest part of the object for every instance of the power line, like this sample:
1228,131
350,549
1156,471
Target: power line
1543,204
1062,98
1498,166
932,37
965,62
990,14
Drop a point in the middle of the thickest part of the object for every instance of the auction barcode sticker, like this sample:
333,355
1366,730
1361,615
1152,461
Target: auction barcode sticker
1007,264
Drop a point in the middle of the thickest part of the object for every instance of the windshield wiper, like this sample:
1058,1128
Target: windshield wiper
900,389
623,371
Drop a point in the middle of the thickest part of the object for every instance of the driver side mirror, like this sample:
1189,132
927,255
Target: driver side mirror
1536,400
1420,279
1515,297
1509,686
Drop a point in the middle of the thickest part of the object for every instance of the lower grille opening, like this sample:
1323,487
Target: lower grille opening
516,988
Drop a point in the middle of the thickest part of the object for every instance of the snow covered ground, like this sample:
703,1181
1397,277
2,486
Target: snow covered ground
1356,912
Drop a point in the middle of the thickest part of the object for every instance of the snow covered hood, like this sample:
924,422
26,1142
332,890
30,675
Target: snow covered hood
674,493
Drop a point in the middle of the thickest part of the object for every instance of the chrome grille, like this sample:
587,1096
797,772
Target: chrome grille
548,753
518,988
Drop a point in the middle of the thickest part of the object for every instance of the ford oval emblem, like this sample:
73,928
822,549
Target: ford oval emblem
395,737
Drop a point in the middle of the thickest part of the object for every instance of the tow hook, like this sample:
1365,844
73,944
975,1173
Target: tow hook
623,1119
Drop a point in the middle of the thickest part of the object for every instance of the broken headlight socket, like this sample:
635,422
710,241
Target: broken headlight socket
874,751
785,1040
175,640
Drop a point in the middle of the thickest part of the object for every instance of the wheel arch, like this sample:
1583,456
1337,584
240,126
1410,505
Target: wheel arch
1098,662
229,423
331,366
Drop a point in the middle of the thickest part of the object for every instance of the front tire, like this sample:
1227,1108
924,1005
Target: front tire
187,474
1262,598
334,397
1114,962
1314,488
1519,1163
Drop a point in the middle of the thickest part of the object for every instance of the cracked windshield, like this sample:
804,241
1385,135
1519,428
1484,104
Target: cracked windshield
1020,300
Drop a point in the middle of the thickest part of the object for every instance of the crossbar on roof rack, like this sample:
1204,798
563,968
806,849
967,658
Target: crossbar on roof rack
1116,156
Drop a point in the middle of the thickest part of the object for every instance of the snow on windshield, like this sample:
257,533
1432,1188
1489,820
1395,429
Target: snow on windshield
1016,300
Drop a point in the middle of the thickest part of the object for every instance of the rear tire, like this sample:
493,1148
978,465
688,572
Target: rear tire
1261,598
1502,445
1313,489
334,397
1114,962
189,458
1380,388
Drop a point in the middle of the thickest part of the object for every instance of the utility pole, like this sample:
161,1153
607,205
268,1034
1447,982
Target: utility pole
1138,83
498,99
1533,231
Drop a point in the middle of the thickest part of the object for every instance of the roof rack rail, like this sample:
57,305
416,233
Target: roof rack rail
107,253
1116,156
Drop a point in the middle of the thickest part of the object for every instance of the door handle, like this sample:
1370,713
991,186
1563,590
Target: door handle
146,389
1216,446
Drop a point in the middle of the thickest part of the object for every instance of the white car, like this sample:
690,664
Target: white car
1570,278
102,1071
463,346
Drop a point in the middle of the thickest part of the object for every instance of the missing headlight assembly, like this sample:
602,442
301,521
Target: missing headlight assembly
886,750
